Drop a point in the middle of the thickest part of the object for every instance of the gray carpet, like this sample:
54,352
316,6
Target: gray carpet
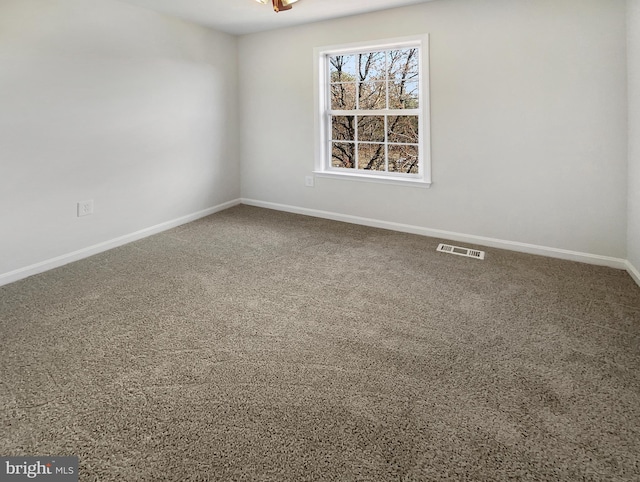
255,345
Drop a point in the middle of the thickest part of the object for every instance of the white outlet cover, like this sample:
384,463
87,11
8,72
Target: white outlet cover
85,208
308,181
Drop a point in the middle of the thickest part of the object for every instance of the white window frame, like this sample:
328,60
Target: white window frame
323,167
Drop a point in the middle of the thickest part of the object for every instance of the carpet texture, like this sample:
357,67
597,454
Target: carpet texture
254,345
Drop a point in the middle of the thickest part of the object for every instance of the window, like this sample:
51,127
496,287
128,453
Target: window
372,111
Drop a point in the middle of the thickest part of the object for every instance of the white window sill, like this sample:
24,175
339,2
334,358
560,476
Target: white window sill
412,182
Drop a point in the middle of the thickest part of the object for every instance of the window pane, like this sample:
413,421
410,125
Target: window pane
374,110
403,159
371,128
343,96
371,156
372,95
403,64
403,128
343,154
343,128
403,95
342,68
371,66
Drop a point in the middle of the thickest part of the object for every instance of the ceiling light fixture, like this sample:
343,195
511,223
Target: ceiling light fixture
279,5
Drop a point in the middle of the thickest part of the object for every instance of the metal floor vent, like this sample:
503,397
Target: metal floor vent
469,253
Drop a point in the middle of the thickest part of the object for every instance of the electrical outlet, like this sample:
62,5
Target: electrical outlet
85,208
308,181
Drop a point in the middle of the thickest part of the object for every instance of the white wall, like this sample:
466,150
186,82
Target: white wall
529,121
102,100
633,237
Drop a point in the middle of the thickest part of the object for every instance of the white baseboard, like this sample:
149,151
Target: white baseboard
633,272
18,274
596,259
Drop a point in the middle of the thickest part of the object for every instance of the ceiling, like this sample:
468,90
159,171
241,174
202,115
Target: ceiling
247,16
